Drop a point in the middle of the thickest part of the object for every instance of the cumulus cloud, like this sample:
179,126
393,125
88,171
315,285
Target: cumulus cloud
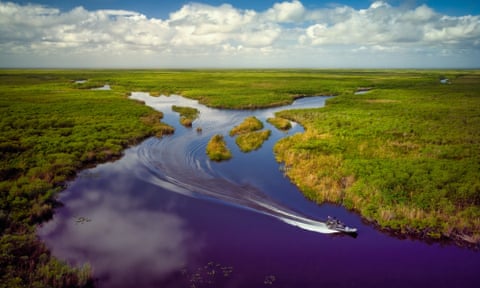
203,30
382,24
286,12
204,25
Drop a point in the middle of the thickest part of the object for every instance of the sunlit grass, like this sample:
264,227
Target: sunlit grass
187,114
280,123
249,124
154,121
51,128
249,137
252,140
404,155
217,149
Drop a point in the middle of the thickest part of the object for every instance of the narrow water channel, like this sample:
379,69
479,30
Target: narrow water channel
165,216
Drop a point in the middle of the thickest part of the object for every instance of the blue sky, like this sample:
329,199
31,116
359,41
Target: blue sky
240,33
162,8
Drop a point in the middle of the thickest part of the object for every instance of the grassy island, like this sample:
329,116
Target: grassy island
187,114
250,124
217,149
252,140
249,137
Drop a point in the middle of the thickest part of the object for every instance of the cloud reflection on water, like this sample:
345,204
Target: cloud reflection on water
126,244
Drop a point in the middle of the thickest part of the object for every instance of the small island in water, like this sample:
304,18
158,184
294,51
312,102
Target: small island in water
217,149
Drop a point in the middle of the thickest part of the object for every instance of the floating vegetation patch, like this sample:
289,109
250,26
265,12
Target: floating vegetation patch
210,275
187,114
269,280
217,149
82,220
215,274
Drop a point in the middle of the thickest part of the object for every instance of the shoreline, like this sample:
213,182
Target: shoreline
361,173
55,87
420,235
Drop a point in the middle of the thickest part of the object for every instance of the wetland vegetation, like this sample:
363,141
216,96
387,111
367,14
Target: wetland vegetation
217,149
252,140
280,123
250,124
249,137
404,155
49,130
187,114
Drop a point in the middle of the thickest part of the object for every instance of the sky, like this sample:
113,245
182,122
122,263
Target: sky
240,34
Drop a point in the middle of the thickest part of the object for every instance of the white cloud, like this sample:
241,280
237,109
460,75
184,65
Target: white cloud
420,15
384,25
379,4
286,12
34,33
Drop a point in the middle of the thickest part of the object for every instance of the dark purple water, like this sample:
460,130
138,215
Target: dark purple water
165,216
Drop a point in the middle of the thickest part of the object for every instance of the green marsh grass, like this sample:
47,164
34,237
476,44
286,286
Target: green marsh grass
217,149
187,114
249,137
249,124
404,155
280,123
50,128
252,140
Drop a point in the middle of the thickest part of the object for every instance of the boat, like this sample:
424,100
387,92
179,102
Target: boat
335,224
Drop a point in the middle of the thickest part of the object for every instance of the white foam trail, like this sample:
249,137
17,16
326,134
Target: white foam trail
172,163
299,221
251,199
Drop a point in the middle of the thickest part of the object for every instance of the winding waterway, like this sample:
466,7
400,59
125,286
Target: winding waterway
165,216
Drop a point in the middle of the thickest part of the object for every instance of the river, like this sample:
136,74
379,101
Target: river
165,216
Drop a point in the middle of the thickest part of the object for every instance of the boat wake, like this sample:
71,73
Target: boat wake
178,163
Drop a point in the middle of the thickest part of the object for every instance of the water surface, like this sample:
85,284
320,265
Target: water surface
165,216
